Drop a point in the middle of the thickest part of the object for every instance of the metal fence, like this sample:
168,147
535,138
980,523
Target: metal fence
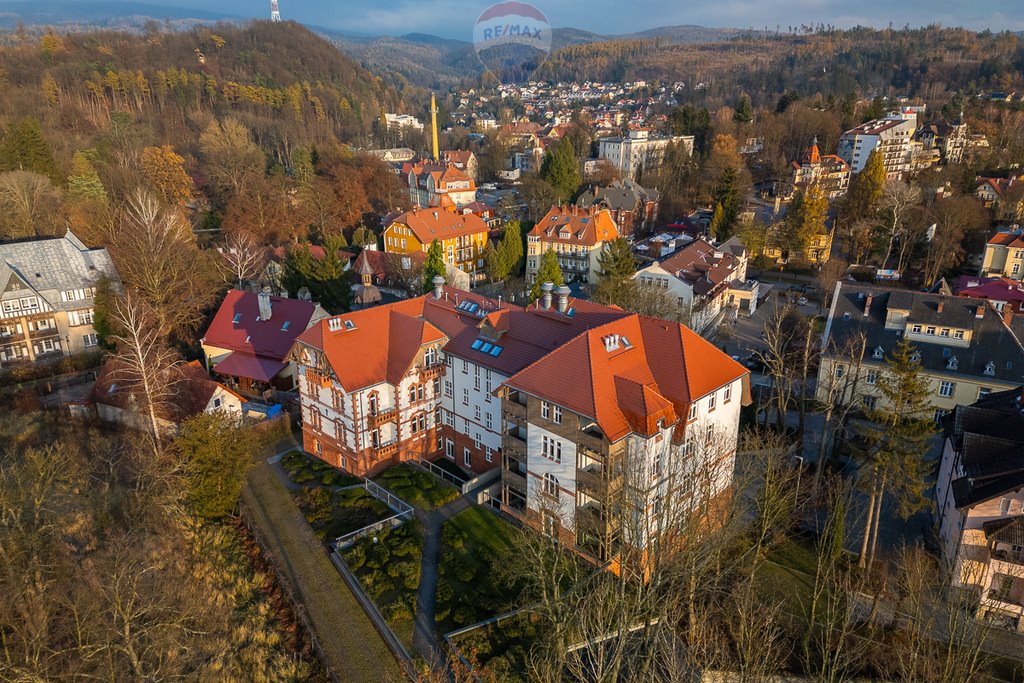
442,473
388,498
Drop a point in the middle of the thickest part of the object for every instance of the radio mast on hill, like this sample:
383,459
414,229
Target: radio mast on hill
275,13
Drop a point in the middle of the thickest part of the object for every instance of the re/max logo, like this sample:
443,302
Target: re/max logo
509,30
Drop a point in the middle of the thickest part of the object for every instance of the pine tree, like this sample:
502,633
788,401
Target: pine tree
215,454
84,182
744,110
615,278
434,266
548,270
561,170
511,249
866,189
895,441
806,219
727,196
25,149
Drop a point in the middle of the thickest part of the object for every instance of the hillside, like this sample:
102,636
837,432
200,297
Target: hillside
93,15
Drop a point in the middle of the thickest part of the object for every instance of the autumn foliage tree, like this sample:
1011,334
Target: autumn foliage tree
163,171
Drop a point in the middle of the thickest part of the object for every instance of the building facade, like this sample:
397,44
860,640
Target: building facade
639,150
890,137
634,208
828,171
577,235
966,348
1004,255
979,496
47,298
463,237
442,185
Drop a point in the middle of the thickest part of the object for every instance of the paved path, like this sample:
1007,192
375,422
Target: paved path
353,648
424,635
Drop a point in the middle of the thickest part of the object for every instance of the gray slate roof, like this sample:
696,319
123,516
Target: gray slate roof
992,341
621,195
50,266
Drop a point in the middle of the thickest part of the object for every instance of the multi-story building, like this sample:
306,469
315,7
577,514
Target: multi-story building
890,137
639,149
1001,292
47,296
817,251
486,384
979,495
949,138
463,237
1004,196
440,185
828,171
577,235
965,347
634,208
1004,255
403,121
464,160
699,278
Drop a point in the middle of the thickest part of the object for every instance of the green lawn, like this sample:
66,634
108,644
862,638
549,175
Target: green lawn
471,586
787,575
305,469
336,513
416,487
503,649
388,567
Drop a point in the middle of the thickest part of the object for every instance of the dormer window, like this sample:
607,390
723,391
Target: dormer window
990,369
286,325
334,324
879,353
953,364
915,357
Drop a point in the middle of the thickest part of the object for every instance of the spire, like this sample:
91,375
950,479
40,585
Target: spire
433,125
814,156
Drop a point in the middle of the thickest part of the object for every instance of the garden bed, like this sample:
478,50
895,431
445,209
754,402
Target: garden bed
304,469
387,565
416,487
503,648
336,513
472,585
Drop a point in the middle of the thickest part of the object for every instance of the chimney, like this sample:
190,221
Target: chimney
980,313
438,283
939,306
264,303
563,298
545,298
1008,313
867,304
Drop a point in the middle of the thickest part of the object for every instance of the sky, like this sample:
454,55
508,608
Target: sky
455,18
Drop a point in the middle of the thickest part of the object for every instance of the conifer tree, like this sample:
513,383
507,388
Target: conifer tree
84,182
866,188
25,149
744,110
895,441
561,170
615,276
806,219
548,270
434,266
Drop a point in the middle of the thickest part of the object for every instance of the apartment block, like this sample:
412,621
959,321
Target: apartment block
890,137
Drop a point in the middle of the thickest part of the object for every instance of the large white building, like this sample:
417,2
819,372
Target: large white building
639,149
490,385
890,137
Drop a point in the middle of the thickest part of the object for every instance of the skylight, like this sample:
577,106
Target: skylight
477,344
237,319
487,346
495,350
286,325
350,325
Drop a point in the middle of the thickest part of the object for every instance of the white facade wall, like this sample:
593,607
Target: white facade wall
471,386
537,466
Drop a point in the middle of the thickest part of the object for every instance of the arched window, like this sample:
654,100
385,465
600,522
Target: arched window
430,357
550,485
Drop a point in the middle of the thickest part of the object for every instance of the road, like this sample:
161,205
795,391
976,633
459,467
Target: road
353,648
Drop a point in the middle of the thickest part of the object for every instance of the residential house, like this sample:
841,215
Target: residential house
441,185
979,496
402,274
1001,292
464,160
463,237
703,279
1004,255
1004,196
817,251
461,377
250,336
949,138
47,298
829,172
577,235
967,349
186,391
890,137
634,208
639,150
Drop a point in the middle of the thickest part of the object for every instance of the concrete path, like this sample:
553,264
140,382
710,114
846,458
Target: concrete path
352,647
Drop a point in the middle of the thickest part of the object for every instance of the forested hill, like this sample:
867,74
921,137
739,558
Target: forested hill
287,84
915,62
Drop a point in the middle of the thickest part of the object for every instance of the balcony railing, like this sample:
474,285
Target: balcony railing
1013,557
382,417
514,447
514,480
515,406
386,449
590,440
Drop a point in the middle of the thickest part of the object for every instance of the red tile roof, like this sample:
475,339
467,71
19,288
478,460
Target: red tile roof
238,364
585,226
190,389
1008,239
434,224
251,336
702,266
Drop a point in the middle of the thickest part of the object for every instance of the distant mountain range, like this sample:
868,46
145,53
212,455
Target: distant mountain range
125,15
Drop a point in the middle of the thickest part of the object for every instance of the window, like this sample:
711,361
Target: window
476,440
430,356
412,394
448,390
839,371
489,389
490,422
413,426
551,448
476,413
465,366
449,418
709,435
465,396
449,449
879,353
946,388
983,392
420,392
916,328
217,402
545,410
693,412
90,340
931,329
939,414
1004,506
466,457
549,485
990,369
944,332
476,380
727,396
711,402
958,334
557,415
869,402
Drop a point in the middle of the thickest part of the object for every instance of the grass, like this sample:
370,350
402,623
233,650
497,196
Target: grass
788,575
416,487
503,648
336,513
388,567
304,469
351,645
471,586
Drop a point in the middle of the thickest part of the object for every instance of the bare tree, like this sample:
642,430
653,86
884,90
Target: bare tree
243,256
838,394
898,198
30,206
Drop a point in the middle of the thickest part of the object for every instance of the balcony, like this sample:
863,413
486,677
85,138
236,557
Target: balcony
514,480
590,440
43,333
382,417
590,481
514,447
386,450
429,372
514,405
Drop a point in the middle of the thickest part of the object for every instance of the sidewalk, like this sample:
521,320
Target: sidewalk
353,648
